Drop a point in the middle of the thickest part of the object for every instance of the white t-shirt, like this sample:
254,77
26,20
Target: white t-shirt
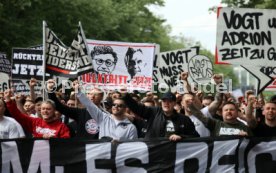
8,129
19,127
199,126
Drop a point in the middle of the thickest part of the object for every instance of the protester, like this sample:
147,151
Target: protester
115,125
230,124
163,121
38,102
87,127
9,128
266,128
208,111
47,127
207,100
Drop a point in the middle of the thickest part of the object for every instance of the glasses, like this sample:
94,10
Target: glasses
118,105
107,62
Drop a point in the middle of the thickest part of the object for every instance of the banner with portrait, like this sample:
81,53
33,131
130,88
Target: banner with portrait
120,64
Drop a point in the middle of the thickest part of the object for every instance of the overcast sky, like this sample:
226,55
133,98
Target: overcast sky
192,19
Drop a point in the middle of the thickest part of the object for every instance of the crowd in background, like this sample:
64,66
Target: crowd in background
120,115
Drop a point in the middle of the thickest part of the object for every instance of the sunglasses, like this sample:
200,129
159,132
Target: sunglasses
118,105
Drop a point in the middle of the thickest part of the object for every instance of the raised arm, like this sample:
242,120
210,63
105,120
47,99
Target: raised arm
184,77
208,122
213,107
187,88
139,109
32,84
18,101
73,113
22,118
95,112
249,113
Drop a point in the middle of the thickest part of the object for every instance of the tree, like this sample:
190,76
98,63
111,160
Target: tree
117,20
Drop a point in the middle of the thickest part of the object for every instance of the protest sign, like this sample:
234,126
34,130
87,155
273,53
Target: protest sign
5,65
23,87
121,64
172,63
27,63
200,69
270,71
4,81
247,37
155,66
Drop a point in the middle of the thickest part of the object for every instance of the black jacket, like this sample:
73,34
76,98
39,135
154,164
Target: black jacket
156,120
86,126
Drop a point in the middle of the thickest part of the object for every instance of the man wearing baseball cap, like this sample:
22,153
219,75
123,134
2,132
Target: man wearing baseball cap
163,121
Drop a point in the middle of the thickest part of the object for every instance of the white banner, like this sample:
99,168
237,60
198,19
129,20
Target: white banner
121,64
247,37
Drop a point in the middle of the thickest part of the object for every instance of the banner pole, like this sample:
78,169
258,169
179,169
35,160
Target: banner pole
44,57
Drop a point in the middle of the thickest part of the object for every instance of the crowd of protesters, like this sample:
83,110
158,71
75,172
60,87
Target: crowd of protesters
124,116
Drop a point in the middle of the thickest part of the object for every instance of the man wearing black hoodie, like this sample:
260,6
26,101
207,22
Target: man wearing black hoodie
86,126
163,121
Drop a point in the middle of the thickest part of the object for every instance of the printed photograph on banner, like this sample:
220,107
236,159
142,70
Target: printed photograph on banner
170,64
121,64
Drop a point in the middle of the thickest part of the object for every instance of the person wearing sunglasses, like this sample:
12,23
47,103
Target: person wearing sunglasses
104,59
115,125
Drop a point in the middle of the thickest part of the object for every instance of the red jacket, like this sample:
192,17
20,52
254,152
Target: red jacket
37,126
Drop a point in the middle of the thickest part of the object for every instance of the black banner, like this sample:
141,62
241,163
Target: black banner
27,63
67,61
5,65
23,87
224,154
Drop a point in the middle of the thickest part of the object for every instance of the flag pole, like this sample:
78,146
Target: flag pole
85,43
44,57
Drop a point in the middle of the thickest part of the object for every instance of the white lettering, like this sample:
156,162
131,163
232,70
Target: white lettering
194,150
261,148
127,151
219,152
40,157
10,156
94,152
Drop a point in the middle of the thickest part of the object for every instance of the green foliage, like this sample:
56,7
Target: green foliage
267,4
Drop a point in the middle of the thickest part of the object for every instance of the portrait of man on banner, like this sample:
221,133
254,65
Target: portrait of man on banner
104,59
135,62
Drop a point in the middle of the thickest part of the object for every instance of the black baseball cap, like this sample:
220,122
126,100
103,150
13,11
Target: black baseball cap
169,95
